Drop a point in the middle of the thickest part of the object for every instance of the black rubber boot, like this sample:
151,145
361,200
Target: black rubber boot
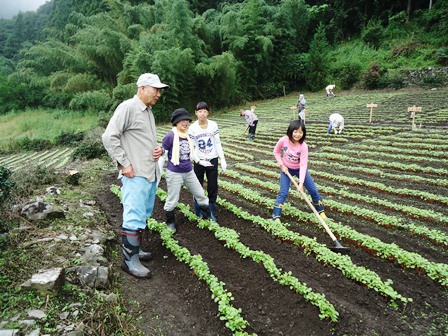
130,248
212,212
205,211
197,210
170,220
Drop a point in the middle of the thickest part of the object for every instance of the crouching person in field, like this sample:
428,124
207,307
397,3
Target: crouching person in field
179,170
336,122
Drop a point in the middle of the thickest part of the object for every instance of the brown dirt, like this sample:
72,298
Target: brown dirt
175,302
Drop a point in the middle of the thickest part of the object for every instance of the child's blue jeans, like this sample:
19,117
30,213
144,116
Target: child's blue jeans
285,183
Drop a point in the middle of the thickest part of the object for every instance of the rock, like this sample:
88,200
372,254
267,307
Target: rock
10,332
47,282
36,314
99,237
93,256
53,190
38,210
90,276
35,332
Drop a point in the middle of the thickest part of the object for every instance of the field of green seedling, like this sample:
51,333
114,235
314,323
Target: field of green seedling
385,188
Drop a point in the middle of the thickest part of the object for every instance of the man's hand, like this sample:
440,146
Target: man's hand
157,152
128,171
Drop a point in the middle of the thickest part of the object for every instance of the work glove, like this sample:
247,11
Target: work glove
223,165
205,163
160,163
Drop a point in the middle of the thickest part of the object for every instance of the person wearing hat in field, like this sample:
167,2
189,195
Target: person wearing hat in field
131,141
179,170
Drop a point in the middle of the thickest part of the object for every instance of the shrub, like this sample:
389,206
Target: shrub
6,185
92,101
372,77
123,92
68,138
442,56
91,147
28,144
405,49
373,33
29,179
348,74
394,80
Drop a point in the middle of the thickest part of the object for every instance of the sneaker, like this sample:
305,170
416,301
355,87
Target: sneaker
323,215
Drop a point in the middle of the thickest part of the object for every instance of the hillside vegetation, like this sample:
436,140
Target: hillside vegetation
84,55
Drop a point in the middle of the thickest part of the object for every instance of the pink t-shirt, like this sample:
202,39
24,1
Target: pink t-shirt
294,156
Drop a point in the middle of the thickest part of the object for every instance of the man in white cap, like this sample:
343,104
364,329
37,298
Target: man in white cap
131,141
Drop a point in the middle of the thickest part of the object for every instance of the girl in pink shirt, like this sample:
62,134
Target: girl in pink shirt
291,153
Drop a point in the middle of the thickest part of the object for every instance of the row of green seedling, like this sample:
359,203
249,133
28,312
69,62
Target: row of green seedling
234,321
230,239
392,252
387,221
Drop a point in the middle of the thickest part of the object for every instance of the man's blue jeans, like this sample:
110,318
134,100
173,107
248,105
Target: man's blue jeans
285,183
138,196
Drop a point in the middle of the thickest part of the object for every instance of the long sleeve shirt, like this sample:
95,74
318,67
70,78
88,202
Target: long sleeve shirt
295,156
301,104
184,154
206,141
130,138
336,121
250,117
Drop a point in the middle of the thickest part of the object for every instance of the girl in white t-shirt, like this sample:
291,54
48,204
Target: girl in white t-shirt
204,134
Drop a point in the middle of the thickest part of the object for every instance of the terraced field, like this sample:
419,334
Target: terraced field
384,185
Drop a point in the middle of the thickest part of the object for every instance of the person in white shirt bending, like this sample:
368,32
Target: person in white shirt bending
336,121
329,89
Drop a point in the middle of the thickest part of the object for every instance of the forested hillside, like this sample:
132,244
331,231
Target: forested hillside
86,55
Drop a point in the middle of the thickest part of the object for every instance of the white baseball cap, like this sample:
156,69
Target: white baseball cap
149,79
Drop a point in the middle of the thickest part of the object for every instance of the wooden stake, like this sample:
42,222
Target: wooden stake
371,110
414,109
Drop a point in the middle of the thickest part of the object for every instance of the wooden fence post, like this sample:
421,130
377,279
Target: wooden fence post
414,109
371,110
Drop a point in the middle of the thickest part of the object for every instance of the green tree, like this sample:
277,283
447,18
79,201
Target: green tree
248,35
217,80
316,73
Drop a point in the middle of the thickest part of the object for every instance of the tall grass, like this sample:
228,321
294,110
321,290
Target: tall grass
44,124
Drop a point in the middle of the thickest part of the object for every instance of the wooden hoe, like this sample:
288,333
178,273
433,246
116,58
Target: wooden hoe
338,246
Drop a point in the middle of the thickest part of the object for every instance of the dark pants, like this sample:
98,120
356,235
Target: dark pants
253,128
212,178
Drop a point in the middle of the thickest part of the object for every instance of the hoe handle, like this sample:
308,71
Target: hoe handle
333,238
